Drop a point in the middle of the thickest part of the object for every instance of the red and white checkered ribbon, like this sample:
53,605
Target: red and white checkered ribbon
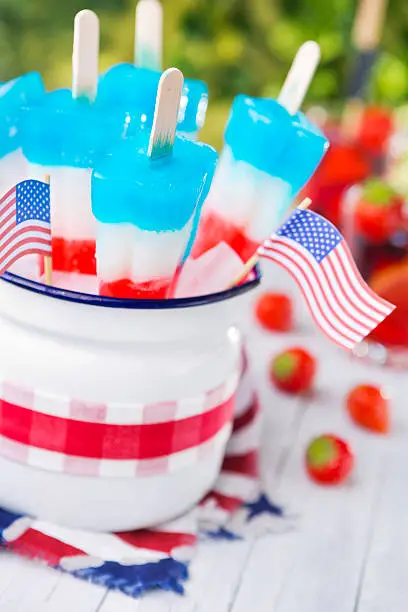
119,440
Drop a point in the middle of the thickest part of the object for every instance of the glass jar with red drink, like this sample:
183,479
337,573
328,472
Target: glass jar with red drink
359,148
375,225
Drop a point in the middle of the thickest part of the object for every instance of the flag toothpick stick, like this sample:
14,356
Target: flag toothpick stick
48,258
85,56
255,258
166,114
299,77
149,34
48,270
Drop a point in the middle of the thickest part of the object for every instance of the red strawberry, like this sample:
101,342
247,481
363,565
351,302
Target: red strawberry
293,370
368,406
378,212
329,460
274,312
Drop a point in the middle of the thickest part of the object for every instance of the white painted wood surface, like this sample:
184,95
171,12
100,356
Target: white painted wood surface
349,549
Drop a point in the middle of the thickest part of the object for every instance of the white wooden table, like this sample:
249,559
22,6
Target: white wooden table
349,550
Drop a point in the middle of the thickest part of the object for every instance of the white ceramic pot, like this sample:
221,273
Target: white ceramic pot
114,414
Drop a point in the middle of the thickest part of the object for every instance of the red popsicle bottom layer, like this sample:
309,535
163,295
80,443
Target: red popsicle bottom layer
72,256
214,229
157,289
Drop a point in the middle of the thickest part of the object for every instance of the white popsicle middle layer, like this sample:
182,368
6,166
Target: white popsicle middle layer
123,251
247,197
71,211
13,170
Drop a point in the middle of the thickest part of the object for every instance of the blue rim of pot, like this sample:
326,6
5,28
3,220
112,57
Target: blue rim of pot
109,302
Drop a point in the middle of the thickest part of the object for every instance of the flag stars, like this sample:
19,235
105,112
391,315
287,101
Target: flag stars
314,233
32,201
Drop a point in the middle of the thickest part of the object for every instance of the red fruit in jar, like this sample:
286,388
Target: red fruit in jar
343,165
329,460
369,407
391,283
274,311
375,130
293,371
378,212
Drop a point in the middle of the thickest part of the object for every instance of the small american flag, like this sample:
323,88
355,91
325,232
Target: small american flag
314,252
24,222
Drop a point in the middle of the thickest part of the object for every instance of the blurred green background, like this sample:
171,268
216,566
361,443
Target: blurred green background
234,45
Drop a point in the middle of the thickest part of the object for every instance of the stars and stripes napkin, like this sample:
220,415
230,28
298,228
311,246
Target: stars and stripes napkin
158,558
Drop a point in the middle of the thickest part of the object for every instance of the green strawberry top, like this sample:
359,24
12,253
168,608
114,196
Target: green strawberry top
322,452
284,365
378,193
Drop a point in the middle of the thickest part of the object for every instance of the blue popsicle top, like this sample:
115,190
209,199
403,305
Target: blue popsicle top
15,96
132,91
262,133
156,195
61,131
129,91
193,107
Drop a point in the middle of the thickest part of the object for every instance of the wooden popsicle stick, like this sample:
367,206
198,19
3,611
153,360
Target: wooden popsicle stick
149,35
366,36
255,258
369,24
85,55
299,77
48,258
166,113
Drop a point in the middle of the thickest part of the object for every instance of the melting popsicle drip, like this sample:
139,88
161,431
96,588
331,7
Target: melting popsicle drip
126,288
214,229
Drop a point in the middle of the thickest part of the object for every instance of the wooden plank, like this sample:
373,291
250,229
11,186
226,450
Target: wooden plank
384,585
28,585
113,602
268,564
227,562
9,565
73,594
383,582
